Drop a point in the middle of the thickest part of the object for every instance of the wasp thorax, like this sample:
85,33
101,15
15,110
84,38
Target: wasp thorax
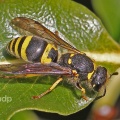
98,78
79,62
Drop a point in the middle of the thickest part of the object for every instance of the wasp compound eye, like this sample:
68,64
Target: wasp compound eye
99,77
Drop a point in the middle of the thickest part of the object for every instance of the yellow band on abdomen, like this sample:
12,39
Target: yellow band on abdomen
24,46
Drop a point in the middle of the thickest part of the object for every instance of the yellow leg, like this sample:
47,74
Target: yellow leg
82,90
17,76
49,90
12,76
83,94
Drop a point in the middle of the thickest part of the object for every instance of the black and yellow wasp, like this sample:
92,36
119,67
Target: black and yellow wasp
41,52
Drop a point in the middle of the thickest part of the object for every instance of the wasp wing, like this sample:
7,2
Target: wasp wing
35,68
39,30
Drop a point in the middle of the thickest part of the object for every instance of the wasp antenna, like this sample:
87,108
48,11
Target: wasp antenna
115,73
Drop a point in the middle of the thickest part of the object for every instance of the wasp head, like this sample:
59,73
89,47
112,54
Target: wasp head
99,78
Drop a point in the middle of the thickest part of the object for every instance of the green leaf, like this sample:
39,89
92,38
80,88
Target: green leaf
108,11
25,115
74,22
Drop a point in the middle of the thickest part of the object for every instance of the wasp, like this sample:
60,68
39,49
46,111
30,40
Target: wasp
42,56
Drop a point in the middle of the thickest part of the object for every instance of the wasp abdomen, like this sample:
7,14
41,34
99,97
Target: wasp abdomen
33,49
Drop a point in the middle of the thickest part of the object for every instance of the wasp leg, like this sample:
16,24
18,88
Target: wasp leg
82,90
102,94
49,90
12,76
